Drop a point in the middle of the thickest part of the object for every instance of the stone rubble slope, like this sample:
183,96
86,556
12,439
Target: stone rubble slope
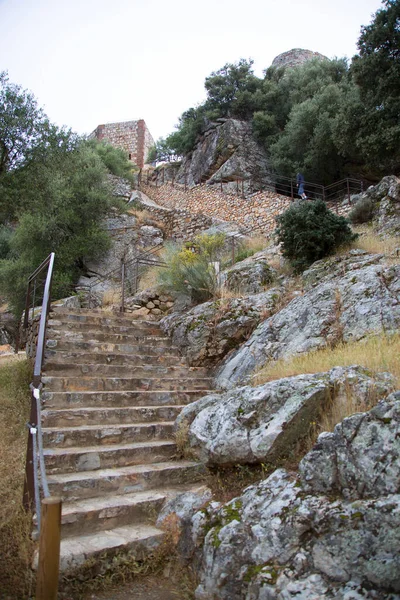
284,537
359,298
257,424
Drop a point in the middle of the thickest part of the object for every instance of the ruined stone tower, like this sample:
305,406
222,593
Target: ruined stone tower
131,136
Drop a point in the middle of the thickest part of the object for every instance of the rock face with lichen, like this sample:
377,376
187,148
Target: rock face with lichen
207,332
296,57
284,537
227,151
346,298
258,424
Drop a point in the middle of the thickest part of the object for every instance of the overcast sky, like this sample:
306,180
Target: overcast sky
101,61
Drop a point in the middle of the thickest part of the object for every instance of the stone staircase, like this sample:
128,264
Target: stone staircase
112,390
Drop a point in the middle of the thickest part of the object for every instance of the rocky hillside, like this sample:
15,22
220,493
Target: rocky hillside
327,529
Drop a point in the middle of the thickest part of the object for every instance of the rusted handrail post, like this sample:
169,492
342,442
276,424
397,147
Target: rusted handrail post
49,550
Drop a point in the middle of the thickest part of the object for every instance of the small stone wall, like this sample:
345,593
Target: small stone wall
254,214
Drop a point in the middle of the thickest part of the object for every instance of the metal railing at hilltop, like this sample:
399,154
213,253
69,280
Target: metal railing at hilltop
246,188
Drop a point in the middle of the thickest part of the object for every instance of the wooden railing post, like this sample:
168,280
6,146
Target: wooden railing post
49,550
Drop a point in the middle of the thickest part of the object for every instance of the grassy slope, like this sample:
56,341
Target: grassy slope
15,543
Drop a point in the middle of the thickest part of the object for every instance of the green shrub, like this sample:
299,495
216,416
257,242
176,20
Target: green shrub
189,270
362,212
5,238
309,231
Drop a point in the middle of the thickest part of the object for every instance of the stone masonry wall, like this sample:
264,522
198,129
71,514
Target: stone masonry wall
256,212
132,136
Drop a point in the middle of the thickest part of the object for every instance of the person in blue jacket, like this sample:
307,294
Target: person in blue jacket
300,186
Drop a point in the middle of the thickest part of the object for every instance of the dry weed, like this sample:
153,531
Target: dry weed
376,353
149,279
371,242
181,436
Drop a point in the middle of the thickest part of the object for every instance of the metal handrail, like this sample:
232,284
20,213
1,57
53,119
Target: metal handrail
34,455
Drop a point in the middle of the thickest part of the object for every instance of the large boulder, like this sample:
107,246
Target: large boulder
359,298
275,542
249,276
281,538
227,151
361,458
385,200
259,424
207,332
295,58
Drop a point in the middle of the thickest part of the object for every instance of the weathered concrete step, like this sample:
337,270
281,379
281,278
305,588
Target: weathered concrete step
62,312
100,336
105,434
109,358
109,512
94,384
69,369
66,460
123,480
136,347
75,417
101,318
88,329
138,540
55,400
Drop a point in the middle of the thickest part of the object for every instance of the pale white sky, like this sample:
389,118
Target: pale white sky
100,61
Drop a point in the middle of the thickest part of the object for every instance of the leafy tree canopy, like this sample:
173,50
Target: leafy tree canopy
376,72
54,193
356,130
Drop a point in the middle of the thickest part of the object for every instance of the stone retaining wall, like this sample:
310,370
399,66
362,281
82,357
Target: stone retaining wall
255,213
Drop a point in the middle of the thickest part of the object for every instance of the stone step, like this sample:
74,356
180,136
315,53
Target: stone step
69,369
155,347
105,434
123,480
100,314
139,540
89,458
143,398
76,417
99,319
109,358
100,336
105,384
88,329
108,512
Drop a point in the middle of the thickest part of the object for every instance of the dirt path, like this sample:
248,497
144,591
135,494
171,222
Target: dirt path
155,587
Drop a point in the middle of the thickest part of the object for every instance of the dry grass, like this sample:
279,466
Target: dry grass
111,298
257,243
150,278
181,436
371,242
145,217
376,353
15,525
